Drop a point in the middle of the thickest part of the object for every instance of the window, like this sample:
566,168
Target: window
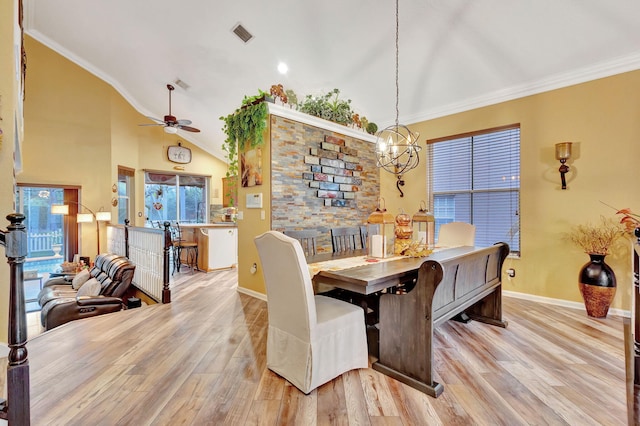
172,197
476,179
125,194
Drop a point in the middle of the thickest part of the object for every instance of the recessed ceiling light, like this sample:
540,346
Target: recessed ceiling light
283,68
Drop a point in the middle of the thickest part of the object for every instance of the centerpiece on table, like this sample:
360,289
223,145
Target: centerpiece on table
596,280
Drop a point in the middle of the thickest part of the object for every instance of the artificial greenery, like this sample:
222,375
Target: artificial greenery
371,128
248,123
244,125
329,106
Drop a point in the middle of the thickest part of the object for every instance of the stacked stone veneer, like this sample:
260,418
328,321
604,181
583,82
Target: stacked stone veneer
335,172
320,179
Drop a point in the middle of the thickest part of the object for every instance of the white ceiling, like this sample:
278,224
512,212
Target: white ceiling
454,54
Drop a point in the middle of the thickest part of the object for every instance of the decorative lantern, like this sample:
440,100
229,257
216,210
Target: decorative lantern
381,233
424,227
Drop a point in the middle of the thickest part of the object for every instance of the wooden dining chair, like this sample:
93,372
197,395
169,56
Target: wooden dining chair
364,233
346,238
456,234
307,238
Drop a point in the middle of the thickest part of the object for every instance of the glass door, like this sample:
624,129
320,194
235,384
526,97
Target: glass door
45,238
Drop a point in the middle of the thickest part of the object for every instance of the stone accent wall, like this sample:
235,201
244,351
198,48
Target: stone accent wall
304,159
334,171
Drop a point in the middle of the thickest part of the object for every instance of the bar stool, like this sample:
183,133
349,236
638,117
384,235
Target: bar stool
182,249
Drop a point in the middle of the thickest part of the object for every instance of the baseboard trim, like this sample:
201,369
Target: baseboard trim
560,302
517,295
252,293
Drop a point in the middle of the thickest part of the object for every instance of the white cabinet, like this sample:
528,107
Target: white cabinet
218,247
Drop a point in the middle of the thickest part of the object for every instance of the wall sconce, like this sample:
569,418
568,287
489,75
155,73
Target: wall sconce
99,216
563,153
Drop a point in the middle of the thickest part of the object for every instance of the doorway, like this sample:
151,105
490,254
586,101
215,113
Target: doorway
51,238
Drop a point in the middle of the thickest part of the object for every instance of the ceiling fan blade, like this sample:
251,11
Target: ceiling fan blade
152,124
184,122
155,119
188,129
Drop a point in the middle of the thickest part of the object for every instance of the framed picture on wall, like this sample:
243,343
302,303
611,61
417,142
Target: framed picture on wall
251,167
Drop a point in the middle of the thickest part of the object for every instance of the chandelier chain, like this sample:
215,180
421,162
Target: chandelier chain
397,56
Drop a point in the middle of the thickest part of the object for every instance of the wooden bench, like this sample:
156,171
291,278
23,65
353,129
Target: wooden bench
469,284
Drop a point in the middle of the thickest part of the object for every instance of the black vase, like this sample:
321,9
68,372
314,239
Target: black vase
597,284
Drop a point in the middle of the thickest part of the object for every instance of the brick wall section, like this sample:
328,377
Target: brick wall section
307,163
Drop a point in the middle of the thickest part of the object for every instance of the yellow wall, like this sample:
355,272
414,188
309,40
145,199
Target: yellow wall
252,223
78,129
145,147
601,118
8,99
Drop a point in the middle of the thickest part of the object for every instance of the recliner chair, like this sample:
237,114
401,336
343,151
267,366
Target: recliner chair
59,300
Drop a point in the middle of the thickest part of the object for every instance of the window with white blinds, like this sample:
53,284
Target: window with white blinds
476,179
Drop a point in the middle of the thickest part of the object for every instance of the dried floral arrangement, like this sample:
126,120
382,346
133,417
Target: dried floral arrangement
596,239
411,248
629,220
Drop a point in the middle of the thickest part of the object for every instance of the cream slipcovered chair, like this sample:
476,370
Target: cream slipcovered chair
455,234
311,339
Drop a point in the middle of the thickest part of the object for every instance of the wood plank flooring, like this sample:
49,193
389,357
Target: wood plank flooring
201,360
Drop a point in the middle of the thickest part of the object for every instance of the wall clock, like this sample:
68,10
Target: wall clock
179,154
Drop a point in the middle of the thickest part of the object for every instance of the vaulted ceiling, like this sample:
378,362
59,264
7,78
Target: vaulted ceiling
454,55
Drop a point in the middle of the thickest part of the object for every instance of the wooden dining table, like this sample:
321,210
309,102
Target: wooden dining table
373,274
413,296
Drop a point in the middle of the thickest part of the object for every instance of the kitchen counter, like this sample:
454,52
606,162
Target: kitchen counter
209,225
217,244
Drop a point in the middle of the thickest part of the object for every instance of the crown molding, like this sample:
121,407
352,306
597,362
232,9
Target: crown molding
594,72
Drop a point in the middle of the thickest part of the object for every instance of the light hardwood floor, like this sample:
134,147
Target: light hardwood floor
201,360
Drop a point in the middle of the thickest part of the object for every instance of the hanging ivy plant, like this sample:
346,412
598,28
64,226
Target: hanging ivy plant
246,125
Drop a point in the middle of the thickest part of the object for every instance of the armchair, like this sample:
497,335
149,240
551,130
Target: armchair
62,303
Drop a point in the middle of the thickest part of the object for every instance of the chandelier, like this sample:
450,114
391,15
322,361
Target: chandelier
396,146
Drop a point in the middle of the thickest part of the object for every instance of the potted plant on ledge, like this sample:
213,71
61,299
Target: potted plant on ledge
596,280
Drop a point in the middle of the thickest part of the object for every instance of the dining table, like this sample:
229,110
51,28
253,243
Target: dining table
357,272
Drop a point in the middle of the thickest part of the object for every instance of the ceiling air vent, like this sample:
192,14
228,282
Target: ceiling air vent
242,33
181,84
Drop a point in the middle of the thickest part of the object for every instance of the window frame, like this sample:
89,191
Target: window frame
179,202
473,189
126,175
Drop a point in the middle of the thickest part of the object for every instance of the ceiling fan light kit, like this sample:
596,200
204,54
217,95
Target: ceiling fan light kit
172,124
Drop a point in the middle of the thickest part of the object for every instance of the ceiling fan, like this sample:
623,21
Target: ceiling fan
170,123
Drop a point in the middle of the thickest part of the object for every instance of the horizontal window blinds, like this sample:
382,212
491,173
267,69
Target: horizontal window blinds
476,179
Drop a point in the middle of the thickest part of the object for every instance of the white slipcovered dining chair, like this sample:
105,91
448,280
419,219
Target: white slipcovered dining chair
311,339
455,234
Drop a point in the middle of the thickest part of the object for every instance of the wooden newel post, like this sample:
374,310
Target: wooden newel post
16,409
166,293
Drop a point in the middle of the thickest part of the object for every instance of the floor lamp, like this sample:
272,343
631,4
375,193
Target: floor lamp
99,216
